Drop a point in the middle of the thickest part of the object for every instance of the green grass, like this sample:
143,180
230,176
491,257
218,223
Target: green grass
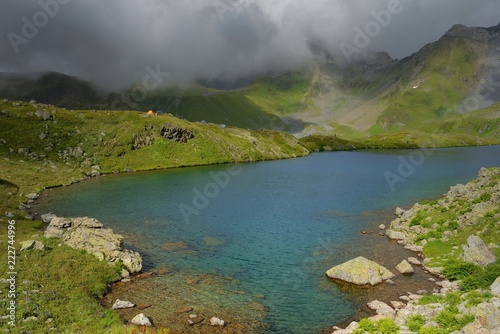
449,65
281,95
385,326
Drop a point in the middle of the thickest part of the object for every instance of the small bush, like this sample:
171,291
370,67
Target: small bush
385,326
481,278
430,299
456,270
415,322
418,218
475,298
453,225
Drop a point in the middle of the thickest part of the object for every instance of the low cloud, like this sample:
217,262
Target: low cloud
111,43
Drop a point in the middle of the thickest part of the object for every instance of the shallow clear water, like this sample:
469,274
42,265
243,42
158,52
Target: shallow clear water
277,226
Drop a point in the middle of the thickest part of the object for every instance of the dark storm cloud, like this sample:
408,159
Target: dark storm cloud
116,43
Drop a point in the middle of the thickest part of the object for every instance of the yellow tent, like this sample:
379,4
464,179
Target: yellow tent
151,112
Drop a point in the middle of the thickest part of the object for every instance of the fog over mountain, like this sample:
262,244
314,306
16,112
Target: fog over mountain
117,43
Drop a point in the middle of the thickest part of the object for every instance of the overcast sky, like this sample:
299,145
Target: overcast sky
113,42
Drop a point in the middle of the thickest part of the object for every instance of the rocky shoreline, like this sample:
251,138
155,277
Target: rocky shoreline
462,211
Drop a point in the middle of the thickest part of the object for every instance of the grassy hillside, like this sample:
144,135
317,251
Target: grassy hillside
44,146
436,90
69,143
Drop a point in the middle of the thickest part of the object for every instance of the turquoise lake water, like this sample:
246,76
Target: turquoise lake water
274,226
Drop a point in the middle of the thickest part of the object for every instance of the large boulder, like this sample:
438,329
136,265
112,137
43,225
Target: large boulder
89,234
360,271
495,287
477,252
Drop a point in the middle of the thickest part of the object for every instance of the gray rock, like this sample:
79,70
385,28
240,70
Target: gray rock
32,244
394,235
24,207
141,320
89,234
32,197
45,115
399,212
414,261
405,268
487,317
382,227
360,271
47,218
121,304
495,287
95,173
477,252
382,309
9,214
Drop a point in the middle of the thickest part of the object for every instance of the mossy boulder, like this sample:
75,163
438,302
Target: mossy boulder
360,271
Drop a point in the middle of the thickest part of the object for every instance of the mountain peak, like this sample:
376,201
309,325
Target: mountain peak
461,31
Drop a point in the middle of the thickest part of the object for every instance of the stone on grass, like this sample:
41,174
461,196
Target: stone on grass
477,252
32,244
360,271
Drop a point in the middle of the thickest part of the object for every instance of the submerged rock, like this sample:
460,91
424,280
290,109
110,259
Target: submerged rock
89,234
360,271
217,322
477,252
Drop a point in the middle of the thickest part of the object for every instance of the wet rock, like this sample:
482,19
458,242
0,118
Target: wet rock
382,227
399,212
405,268
360,271
183,309
477,252
395,235
382,309
141,320
121,304
414,261
194,319
217,322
